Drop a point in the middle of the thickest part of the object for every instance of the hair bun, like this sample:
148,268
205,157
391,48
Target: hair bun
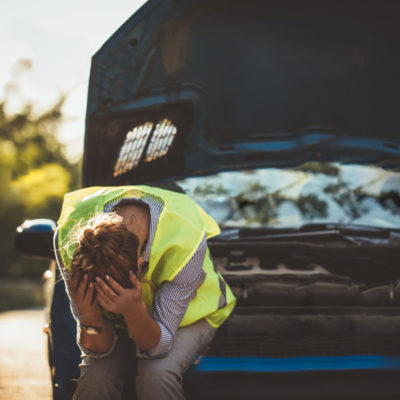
106,246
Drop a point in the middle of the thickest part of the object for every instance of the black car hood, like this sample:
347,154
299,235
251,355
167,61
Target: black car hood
255,83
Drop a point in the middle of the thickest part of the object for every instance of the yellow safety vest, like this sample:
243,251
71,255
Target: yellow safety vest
181,227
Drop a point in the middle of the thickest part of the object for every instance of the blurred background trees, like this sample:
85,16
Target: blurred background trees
34,176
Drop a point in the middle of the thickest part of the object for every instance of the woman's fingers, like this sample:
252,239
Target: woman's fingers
102,302
101,296
90,293
105,290
134,280
115,285
81,289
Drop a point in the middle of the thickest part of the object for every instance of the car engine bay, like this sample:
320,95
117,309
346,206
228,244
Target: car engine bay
297,298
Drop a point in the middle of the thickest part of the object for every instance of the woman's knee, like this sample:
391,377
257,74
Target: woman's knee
159,370
104,378
99,380
159,379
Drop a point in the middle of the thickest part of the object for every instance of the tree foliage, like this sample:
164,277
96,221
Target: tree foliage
34,175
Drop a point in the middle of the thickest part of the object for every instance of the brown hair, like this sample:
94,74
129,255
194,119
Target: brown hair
106,246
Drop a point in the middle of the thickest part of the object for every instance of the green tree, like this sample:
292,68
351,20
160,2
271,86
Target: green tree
34,175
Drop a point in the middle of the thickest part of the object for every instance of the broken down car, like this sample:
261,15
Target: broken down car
281,120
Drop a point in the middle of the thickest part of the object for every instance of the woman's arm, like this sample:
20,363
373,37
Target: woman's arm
144,331
99,343
82,296
172,299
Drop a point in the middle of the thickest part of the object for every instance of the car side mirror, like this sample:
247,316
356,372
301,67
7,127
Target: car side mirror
34,238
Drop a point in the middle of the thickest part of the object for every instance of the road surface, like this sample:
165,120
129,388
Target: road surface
24,373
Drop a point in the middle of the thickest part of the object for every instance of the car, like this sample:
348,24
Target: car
280,118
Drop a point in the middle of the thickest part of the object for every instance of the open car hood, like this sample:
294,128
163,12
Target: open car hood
191,87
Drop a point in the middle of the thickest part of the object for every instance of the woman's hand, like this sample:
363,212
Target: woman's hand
114,298
144,331
82,294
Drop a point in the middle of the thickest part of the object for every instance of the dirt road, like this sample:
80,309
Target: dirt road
23,366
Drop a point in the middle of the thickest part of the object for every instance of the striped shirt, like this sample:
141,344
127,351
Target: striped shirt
172,298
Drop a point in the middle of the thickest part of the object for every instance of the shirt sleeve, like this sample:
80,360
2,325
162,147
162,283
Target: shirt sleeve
82,348
172,299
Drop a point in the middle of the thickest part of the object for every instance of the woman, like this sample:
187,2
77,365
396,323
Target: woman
138,270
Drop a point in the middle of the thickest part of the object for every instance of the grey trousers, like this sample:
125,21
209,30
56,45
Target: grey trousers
157,379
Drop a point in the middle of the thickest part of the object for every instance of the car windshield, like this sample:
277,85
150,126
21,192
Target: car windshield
311,193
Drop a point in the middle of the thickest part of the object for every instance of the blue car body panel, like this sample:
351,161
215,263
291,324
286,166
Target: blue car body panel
66,354
295,364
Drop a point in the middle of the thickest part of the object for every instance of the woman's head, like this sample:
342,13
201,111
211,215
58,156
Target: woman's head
106,247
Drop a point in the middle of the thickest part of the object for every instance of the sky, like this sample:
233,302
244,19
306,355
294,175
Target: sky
59,38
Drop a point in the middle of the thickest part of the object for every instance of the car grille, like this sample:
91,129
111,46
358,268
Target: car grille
294,333
269,346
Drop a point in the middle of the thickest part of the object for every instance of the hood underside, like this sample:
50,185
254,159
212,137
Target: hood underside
190,87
